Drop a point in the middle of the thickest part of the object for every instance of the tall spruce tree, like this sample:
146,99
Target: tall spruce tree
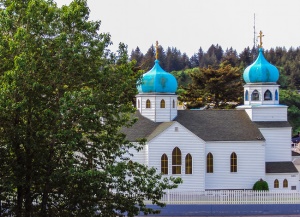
63,100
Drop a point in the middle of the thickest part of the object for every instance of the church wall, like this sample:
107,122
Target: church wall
168,113
147,112
250,165
139,156
292,178
274,113
278,144
155,112
178,136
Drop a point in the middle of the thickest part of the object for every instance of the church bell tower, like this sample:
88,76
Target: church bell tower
157,99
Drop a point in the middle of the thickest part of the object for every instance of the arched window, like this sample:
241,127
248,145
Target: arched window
148,104
233,163
209,163
138,103
246,95
176,161
188,164
255,95
173,103
285,183
268,95
276,95
162,103
276,183
164,164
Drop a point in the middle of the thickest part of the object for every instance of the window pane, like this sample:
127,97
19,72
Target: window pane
164,164
255,95
233,162
209,163
176,169
176,161
162,103
268,95
148,104
188,164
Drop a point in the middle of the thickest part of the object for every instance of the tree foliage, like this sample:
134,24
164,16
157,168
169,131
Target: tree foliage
215,86
261,185
292,100
63,99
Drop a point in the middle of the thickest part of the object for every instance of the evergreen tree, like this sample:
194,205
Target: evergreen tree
200,56
137,55
149,58
245,57
194,60
230,56
217,86
63,99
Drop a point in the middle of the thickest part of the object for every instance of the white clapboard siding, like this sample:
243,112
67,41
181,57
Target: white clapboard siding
155,112
250,164
267,113
292,178
139,156
178,136
278,143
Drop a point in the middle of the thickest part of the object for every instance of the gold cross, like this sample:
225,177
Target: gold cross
156,50
260,38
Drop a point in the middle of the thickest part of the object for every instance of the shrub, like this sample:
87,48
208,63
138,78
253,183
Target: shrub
261,185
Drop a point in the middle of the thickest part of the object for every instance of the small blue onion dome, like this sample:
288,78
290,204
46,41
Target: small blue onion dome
261,70
157,80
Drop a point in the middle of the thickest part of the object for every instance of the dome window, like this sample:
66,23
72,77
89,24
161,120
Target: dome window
276,95
268,95
138,103
255,95
246,96
148,104
162,104
173,103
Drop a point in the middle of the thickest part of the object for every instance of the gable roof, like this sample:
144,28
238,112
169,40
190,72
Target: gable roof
209,125
141,129
281,167
220,125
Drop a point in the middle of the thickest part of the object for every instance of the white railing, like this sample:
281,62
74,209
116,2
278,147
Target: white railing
231,197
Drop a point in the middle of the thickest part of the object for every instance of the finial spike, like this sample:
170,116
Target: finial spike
260,38
156,54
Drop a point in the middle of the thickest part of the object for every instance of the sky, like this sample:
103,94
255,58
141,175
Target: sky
191,24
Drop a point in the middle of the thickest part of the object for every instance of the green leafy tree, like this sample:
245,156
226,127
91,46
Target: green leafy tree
63,100
217,86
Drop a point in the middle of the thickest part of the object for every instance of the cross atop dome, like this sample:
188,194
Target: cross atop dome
260,38
156,51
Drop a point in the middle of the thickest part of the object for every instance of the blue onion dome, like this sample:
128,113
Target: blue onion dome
157,80
261,70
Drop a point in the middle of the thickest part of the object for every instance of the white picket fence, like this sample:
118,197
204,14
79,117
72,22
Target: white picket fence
231,197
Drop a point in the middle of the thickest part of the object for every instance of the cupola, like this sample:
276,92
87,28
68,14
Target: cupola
157,99
261,92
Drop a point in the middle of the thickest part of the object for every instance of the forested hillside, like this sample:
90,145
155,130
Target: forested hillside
203,72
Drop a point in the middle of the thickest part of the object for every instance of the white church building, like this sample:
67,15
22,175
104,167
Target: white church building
216,149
